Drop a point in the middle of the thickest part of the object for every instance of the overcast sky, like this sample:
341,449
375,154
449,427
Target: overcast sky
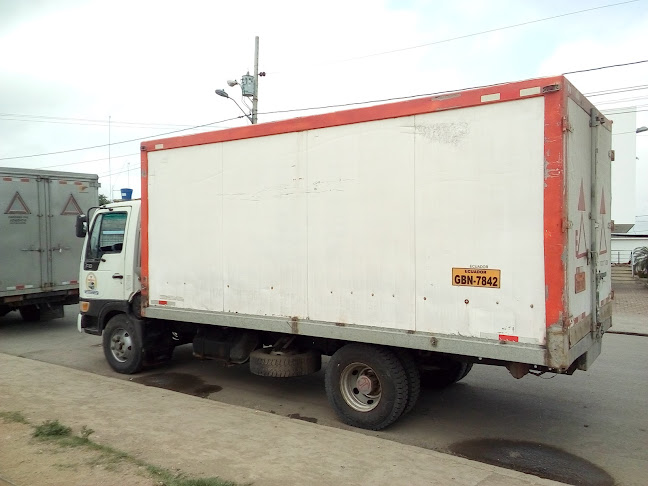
152,65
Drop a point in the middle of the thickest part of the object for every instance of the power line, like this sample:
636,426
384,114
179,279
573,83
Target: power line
151,125
117,143
606,67
293,110
474,34
85,121
91,120
119,172
624,100
88,161
426,94
617,90
102,125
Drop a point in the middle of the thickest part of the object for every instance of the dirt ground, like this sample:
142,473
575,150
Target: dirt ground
25,460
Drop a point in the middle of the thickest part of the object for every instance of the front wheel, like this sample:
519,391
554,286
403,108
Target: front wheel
367,386
448,373
122,345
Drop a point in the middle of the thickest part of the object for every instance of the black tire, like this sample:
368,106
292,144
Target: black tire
122,344
413,379
264,362
466,371
384,380
447,374
30,313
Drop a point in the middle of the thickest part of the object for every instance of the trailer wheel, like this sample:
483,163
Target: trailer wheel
122,345
449,374
367,386
413,378
265,362
30,313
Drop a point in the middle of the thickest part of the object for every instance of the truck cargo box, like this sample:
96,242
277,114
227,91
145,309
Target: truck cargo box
475,223
39,253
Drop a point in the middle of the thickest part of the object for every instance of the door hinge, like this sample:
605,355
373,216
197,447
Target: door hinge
611,155
566,126
566,224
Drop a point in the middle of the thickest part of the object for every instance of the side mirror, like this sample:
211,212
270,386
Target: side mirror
81,225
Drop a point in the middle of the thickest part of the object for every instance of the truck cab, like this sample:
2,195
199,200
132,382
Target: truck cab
109,277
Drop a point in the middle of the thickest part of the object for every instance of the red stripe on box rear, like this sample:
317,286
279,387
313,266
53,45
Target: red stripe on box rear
504,337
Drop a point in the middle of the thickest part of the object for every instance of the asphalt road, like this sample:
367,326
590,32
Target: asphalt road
591,423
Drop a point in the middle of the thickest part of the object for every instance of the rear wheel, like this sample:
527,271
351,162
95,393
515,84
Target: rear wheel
367,386
413,378
122,345
30,313
446,374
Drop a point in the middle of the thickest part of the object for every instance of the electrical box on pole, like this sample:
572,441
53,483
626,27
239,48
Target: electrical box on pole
247,85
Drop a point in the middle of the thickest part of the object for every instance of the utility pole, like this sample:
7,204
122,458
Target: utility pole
110,195
249,87
255,96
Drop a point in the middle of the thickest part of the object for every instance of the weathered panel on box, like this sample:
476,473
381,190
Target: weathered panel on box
264,225
69,196
579,207
39,250
361,254
479,204
20,254
186,227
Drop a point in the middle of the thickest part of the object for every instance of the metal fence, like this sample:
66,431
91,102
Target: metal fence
622,257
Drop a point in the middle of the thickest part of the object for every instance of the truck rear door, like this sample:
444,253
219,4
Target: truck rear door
67,198
23,267
588,224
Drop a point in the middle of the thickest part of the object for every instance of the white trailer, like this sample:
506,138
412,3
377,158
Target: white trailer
416,237
39,255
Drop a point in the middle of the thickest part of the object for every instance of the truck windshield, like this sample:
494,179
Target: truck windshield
107,235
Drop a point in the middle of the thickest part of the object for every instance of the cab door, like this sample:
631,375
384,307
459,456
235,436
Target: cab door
103,274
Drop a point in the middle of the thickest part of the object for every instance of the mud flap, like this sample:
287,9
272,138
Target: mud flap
51,311
586,360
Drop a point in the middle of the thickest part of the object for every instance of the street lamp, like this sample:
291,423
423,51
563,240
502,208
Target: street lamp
223,93
642,129
249,86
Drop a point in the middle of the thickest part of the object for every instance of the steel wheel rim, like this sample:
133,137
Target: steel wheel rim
121,345
360,387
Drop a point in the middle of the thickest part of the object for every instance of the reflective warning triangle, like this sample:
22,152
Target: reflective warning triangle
603,248
72,208
17,206
581,240
581,198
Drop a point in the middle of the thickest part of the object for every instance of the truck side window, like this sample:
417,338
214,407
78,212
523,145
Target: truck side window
107,235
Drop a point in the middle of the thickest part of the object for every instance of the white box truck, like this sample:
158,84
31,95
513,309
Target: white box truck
418,237
39,255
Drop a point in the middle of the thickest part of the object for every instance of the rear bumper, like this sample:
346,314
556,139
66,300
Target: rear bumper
15,300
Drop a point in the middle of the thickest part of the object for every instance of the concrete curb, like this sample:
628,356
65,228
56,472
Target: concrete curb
207,438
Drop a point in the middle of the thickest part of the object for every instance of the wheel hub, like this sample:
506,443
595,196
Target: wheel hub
360,387
121,345
366,384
